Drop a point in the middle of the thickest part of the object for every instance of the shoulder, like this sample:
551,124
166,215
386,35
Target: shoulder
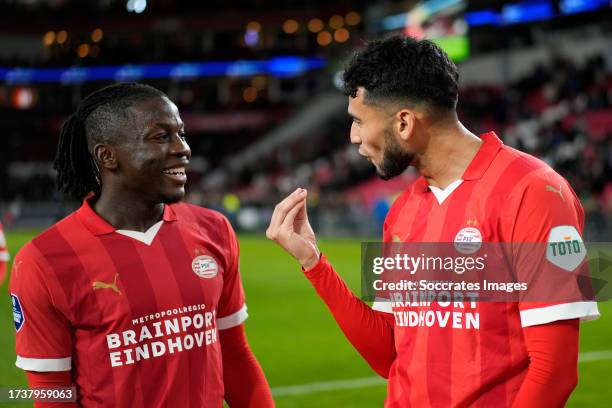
33,256
53,241
404,197
29,266
526,174
30,253
543,184
195,212
539,202
54,253
201,217
518,166
399,203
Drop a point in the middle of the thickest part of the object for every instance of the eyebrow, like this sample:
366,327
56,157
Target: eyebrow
166,125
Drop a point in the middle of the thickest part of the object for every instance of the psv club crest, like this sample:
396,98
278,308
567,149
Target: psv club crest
468,240
205,266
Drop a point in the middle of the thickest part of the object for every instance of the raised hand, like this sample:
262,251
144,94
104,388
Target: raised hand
289,228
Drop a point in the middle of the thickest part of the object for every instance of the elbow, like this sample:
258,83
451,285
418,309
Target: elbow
571,381
565,386
566,377
382,371
563,379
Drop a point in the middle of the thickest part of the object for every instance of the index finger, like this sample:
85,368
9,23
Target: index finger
282,208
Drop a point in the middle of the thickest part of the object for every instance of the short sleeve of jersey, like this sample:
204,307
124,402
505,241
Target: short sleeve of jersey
43,339
549,253
232,309
4,255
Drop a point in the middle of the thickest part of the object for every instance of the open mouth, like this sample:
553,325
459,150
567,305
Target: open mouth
176,173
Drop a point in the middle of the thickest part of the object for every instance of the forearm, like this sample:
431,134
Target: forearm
244,381
552,373
55,379
369,331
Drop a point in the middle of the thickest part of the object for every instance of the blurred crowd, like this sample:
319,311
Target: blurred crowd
560,113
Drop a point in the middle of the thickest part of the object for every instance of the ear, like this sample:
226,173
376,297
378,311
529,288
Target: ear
105,156
405,120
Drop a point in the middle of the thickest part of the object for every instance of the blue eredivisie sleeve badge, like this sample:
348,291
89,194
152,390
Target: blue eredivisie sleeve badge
18,316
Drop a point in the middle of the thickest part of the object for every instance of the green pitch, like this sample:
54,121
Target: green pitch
298,343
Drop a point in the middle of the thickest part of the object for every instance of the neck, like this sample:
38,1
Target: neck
449,149
125,211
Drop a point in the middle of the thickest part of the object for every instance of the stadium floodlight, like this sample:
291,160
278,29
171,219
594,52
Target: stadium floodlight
136,6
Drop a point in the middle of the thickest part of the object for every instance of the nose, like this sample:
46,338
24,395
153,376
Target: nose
180,147
355,138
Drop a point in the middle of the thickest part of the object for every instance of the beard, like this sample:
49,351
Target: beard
395,159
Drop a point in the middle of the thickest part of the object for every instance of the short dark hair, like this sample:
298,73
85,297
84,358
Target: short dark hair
94,121
401,68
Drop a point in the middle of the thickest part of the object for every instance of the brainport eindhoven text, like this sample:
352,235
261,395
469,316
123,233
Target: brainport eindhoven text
172,331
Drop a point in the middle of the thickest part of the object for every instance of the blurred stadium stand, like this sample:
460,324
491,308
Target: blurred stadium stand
267,116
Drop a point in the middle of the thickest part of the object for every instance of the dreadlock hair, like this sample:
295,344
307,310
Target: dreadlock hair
95,121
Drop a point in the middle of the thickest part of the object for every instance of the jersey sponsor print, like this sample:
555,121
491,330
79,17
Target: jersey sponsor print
135,316
460,353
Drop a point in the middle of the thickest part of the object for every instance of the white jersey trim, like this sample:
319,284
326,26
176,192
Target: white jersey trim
382,305
4,256
442,195
232,320
542,315
44,364
145,237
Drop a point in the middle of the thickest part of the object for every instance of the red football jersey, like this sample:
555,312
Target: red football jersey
4,255
473,353
134,316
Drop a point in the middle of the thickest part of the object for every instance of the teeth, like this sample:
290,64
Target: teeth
179,171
